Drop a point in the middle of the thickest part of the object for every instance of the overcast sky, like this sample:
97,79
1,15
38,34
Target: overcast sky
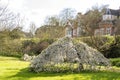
37,10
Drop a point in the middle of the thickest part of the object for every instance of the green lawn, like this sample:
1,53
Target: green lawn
15,69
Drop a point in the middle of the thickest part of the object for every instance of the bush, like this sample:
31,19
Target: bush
11,48
113,49
37,49
108,45
31,47
27,46
115,62
10,42
98,41
118,64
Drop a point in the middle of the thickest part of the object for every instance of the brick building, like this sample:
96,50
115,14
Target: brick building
107,25
72,29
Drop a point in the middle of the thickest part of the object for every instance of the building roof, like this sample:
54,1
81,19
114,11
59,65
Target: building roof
68,24
113,12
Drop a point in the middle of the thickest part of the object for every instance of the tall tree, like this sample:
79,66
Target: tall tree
16,33
52,20
9,22
8,19
90,20
32,29
67,14
117,27
47,31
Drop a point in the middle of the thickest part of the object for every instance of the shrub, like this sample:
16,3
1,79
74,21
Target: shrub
50,41
11,48
115,62
118,64
31,47
108,45
37,49
98,41
27,47
113,49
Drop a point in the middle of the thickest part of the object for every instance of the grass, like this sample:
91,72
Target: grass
14,69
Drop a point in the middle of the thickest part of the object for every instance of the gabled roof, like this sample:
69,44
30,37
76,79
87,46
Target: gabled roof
68,24
113,12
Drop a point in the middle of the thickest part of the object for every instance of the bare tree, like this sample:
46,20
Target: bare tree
8,19
90,21
32,29
117,27
66,14
52,20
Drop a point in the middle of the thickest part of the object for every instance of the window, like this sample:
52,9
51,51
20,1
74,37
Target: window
97,32
108,30
69,32
102,31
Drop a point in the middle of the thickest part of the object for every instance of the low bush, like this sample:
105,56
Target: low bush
115,62
11,47
37,49
108,45
113,49
27,46
98,41
31,47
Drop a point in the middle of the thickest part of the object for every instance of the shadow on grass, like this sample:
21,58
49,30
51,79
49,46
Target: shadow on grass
25,74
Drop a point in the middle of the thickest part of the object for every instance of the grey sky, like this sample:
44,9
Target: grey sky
37,10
